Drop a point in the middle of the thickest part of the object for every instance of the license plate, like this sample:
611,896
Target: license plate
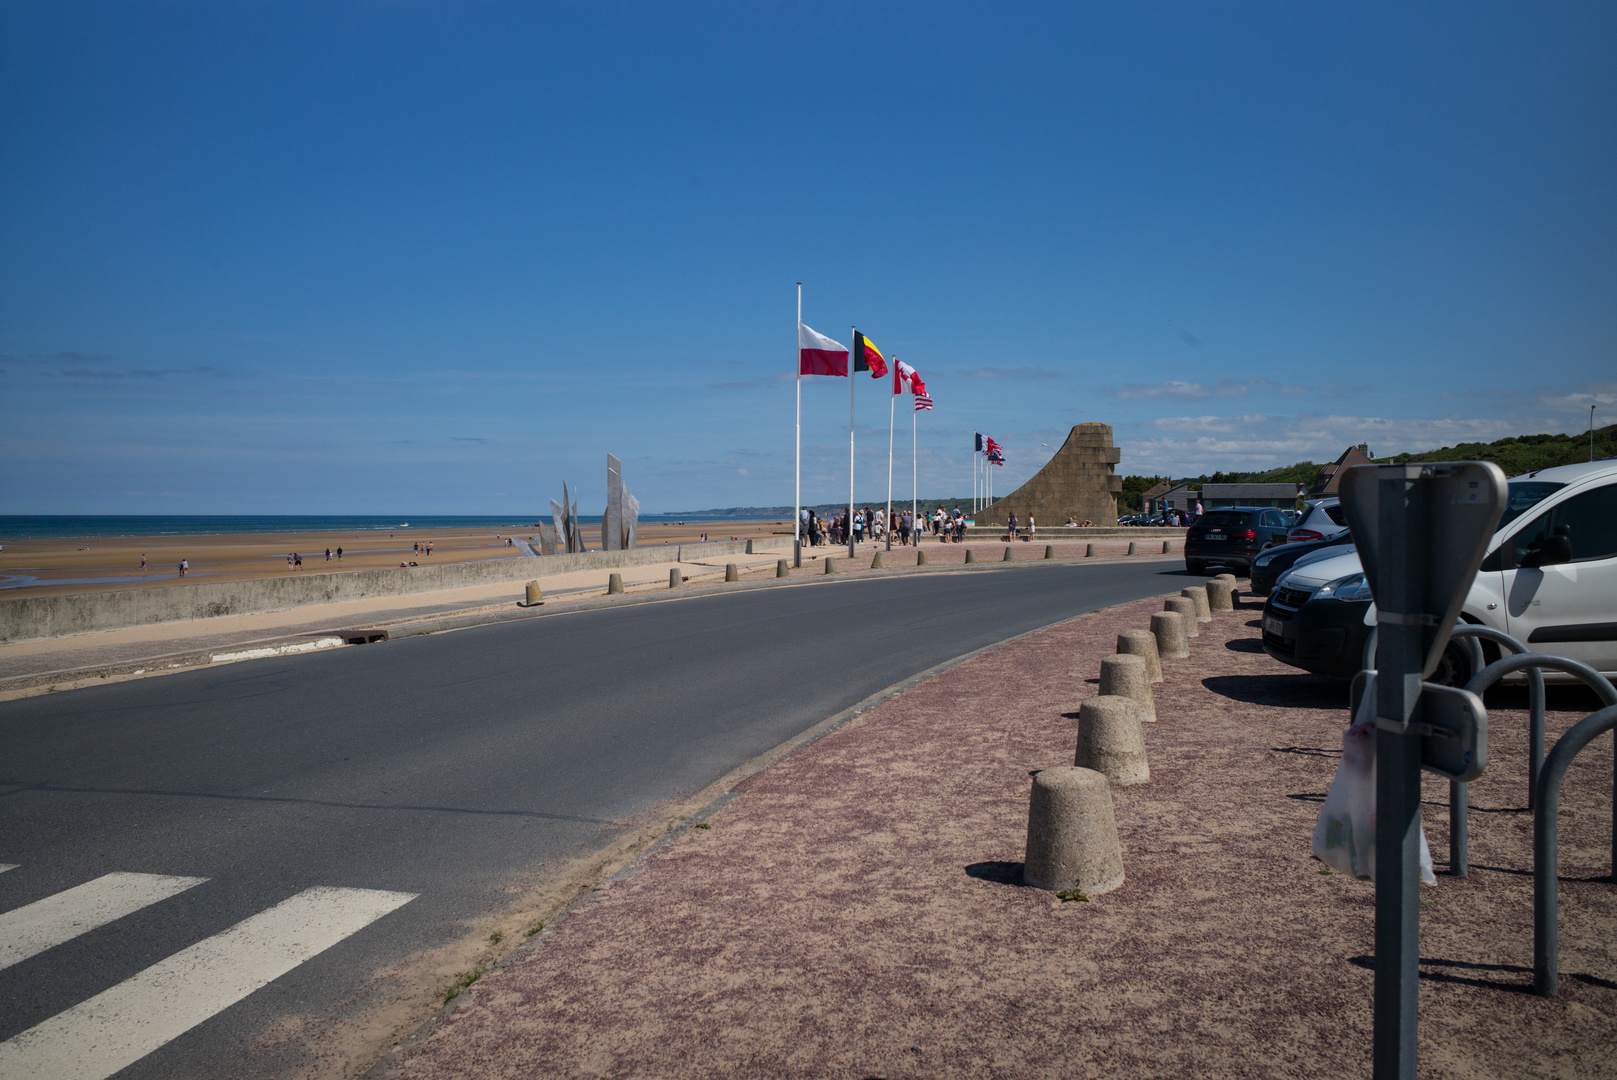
1210,537
1272,625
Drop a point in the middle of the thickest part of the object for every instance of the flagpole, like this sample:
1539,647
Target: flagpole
892,404
915,479
853,363
797,467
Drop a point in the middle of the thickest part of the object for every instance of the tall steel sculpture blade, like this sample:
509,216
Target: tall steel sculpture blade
631,519
547,533
612,520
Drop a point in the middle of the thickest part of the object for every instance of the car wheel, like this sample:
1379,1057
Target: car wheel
1453,667
1195,567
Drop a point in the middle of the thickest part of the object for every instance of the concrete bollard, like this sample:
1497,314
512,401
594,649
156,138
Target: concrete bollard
1089,551
783,568
1142,643
1072,833
1235,590
1220,595
830,564
1134,548
1049,551
920,557
1198,596
1167,547
1125,675
1110,740
971,556
1008,557
875,562
749,548
1186,607
731,573
675,578
534,596
1168,627
614,583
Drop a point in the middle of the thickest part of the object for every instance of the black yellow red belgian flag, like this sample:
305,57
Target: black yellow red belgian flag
866,357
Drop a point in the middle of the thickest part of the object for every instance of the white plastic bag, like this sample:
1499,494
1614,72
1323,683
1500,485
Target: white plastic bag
1345,835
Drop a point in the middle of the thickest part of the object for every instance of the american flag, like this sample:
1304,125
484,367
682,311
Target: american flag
923,402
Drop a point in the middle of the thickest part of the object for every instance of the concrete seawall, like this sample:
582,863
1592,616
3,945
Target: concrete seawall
33,617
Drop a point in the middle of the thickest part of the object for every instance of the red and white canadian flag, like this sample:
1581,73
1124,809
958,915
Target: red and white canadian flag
903,375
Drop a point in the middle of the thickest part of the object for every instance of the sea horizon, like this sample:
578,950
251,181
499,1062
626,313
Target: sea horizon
14,527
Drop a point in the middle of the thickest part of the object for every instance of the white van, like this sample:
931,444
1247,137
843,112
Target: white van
1549,579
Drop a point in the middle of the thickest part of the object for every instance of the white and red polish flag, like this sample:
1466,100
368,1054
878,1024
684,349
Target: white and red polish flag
902,375
818,354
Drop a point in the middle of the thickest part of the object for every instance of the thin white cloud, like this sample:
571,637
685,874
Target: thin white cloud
1601,395
1009,373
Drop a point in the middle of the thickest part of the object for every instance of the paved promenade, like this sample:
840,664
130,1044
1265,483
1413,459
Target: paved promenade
855,911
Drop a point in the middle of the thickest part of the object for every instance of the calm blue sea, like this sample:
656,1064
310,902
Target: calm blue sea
21,527
53,526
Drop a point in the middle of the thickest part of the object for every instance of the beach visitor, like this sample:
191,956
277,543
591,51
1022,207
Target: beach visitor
143,560
289,560
297,561
328,554
339,554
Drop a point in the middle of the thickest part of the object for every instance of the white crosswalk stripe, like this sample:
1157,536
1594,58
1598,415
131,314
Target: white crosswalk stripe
4,866
32,929
123,1024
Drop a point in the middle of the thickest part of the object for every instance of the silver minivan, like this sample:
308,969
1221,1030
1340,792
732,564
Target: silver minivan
1549,579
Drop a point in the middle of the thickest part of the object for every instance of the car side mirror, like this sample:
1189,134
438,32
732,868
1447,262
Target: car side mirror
1555,550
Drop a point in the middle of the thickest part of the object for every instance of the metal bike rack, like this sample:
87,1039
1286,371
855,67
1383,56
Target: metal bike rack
1547,844
1459,793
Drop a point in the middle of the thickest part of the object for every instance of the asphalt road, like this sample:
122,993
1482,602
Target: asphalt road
443,766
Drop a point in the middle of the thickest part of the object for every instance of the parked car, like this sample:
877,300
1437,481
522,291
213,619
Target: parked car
1549,579
1233,536
1268,566
1322,521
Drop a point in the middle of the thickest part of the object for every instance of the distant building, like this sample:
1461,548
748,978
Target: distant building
1250,495
1150,497
1177,497
1330,477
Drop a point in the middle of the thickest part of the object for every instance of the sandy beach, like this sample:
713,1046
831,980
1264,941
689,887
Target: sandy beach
68,564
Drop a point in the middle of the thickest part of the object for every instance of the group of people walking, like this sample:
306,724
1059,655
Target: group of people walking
948,526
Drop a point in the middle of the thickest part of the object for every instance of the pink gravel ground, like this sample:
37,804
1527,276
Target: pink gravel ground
856,913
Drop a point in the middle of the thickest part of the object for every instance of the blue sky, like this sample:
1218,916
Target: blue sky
436,258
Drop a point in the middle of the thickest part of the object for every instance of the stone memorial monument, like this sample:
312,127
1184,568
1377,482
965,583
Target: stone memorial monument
1078,484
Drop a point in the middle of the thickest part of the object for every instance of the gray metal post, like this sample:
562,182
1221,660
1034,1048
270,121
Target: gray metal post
1400,656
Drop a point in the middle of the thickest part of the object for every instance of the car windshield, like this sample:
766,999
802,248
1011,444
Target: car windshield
1221,518
1523,496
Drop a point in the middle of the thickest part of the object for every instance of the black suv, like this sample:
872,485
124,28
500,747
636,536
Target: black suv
1233,536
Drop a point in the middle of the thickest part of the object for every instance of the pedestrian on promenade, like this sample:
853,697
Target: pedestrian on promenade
1031,528
1010,522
